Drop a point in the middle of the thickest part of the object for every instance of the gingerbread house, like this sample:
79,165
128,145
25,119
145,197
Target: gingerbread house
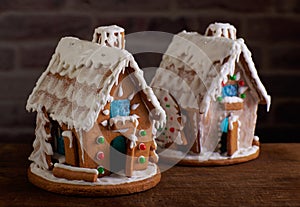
95,114
210,90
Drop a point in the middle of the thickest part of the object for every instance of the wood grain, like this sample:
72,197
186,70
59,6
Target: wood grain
271,180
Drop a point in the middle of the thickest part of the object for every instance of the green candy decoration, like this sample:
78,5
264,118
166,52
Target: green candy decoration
243,95
143,133
100,140
142,159
233,77
101,170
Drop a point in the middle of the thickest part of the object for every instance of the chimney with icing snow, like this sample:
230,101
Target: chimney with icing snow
221,30
111,36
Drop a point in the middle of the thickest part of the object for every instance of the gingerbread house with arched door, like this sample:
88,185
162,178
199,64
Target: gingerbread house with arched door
95,113
210,90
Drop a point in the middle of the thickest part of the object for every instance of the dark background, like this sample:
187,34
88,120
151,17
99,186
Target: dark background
31,29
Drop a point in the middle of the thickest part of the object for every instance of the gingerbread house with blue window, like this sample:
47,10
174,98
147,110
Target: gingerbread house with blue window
210,90
96,119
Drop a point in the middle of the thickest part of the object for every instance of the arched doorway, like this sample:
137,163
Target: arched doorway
58,139
118,154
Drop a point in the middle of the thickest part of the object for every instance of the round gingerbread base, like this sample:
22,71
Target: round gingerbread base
94,190
194,161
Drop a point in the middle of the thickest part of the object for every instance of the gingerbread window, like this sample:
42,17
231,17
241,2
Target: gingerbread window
230,90
120,108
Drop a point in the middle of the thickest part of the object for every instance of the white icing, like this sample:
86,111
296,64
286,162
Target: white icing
86,64
41,147
123,119
68,134
110,98
120,91
207,155
80,134
254,75
232,99
238,76
136,116
104,123
113,179
178,139
130,97
242,89
231,120
134,106
76,169
105,112
59,157
121,130
256,138
245,151
109,36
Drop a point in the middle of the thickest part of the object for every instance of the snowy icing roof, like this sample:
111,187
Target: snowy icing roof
194,67
77,83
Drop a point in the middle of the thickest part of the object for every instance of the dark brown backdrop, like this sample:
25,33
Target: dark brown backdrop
30,30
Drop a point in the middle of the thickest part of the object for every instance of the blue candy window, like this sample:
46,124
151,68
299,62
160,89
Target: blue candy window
230,90
119,108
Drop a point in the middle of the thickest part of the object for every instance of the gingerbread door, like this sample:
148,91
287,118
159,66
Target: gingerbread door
229,138
232,138
118,154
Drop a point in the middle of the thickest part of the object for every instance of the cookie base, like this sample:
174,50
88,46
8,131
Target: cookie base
94,190
209,162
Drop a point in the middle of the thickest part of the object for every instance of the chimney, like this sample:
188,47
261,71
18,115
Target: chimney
221,30
111,36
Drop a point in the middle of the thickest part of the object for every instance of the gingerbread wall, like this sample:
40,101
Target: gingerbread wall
30,31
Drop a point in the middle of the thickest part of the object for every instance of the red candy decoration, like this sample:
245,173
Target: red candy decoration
241,83
166,98
172,129
142,146
223,84
100,155
171,118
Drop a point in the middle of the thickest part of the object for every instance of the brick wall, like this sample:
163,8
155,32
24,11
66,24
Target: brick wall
30,30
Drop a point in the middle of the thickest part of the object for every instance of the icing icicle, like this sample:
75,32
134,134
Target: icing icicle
68,134
130,97
41,147
80,133
120,91
135,106
104,123
105,112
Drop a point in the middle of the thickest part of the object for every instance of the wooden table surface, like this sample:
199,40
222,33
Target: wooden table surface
271,180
